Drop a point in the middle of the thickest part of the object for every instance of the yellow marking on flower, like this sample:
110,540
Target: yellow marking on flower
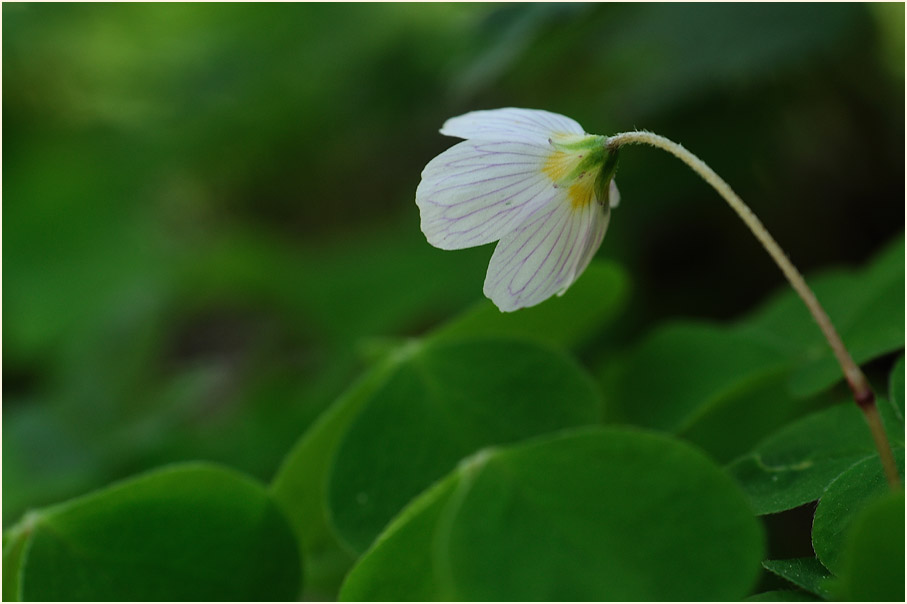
559,165
574,165
582,192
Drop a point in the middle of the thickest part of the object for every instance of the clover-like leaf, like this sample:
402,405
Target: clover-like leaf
866,306
723,388
14,542
299,486
696,363
797,463
783,595
807,573
842,501
589,514
447,401
186,532
872,560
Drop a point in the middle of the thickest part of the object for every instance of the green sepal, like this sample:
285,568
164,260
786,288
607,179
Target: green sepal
602,183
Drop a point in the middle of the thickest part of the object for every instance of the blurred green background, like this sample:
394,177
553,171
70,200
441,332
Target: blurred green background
209,217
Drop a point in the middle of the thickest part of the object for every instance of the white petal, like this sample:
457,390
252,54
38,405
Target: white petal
479,191
613,195
545,255
510,124
595,236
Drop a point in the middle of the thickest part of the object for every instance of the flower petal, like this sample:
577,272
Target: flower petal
546,254
511,124
613,194
595,235
479,191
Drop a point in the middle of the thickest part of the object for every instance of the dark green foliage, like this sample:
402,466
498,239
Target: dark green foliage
872,560
211,252
783,595
752,375
586,515
188,532
896,389
843,501
443,403
796,464
807,573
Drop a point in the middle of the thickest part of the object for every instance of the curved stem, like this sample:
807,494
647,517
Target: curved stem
858,383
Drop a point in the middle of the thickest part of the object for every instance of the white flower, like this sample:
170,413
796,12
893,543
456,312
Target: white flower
532,180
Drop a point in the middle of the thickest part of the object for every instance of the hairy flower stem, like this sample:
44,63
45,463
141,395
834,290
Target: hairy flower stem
858,383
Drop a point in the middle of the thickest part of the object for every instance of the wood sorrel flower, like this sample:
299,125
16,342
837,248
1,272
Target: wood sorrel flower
532,180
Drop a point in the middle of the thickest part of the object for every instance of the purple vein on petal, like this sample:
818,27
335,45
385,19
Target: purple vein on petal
514,216
533,175
552,276
504,200
507,217
537,150
520,258
564,224
538,223
577,232
566,263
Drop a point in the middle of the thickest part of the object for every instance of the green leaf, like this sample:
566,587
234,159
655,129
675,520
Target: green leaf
807,573
400,563
866,307
448,400
299,486
736,420
764,371
563,321
796,464
878,329
589,514
708,378
783,595
696,364
872,561
14,542
842,502
896,389
894,424
187,532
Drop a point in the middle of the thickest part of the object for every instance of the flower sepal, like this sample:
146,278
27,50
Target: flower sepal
603,187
